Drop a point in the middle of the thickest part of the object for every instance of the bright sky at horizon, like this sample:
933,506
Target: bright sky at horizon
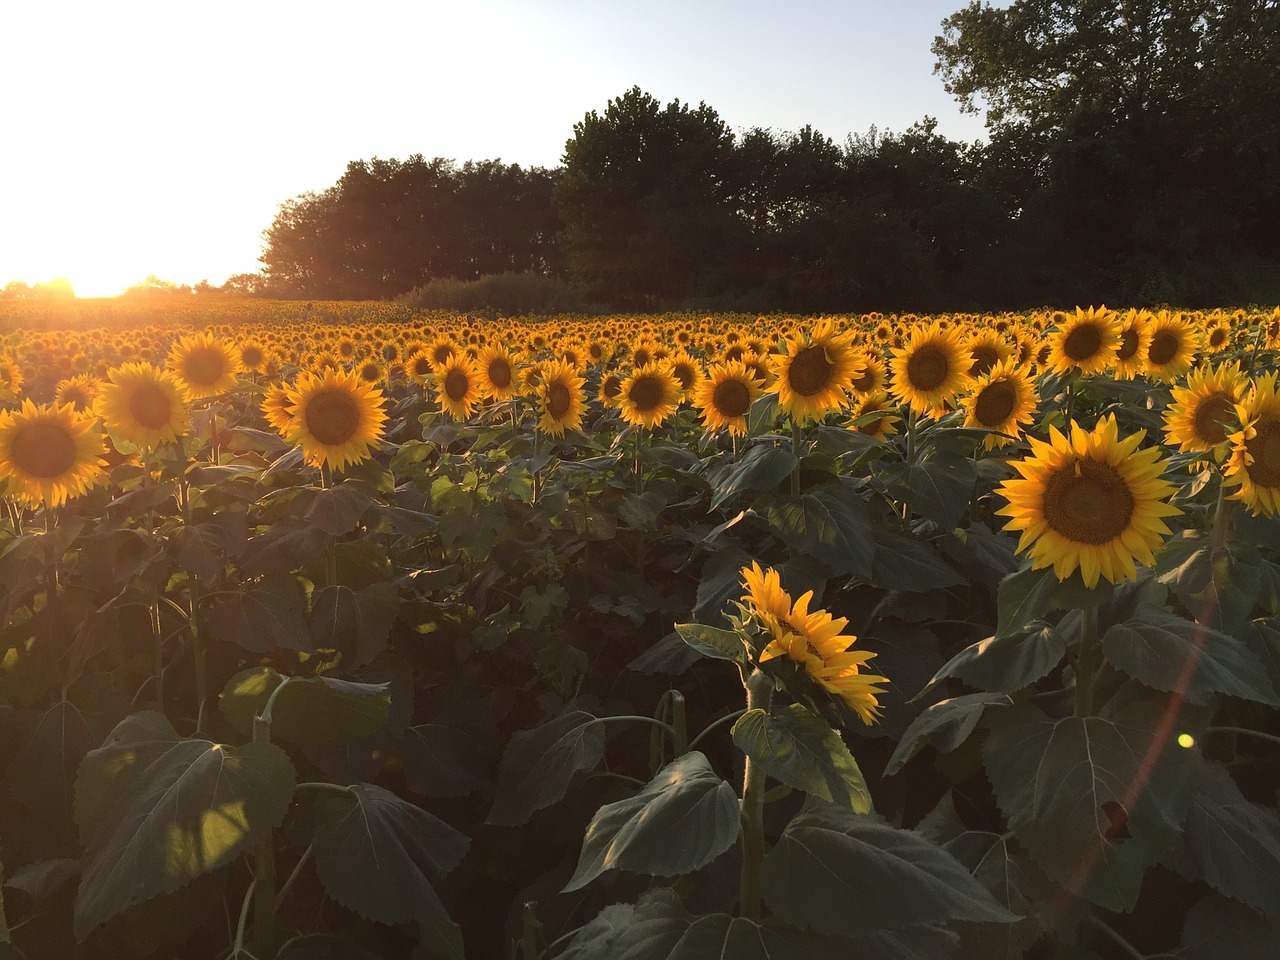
159,138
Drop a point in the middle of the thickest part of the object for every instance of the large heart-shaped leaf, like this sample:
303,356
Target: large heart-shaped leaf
1169,652
761,468
945,724
262,618
939,488
156,810
322,710
684,818
842,873
380,856
904,563
1006,664
829,523
538,765
357,622
799,748
1094,800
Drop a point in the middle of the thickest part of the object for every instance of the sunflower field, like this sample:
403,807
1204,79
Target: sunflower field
332,630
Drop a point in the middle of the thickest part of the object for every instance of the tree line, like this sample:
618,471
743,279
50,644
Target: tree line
1132,156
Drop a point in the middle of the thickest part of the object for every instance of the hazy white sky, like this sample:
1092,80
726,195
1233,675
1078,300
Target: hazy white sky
159,137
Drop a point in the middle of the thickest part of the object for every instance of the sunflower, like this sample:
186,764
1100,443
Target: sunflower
49,453
988,348
649,396
460,385
1135,337
881,427
1173,345
498,372
1092,502
1087,341
204,365
610,392
931,368
685,369
334,417
79,391
142,405
1217,334
1254,465
874,375
1003,400
560,399
1201,410
440,350
11,378
275,408
725,396
814,373
813,639
418,366
254,357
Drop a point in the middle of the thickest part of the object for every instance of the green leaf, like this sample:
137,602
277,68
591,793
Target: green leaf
907,564
357,622
1095,801
946,724
1217,927
684,818
1029,594
939,489
264,618
156,810
829,858
538,765
797,747
829,523
381,856
323,946
1231,843
763,415
659,928
713,642
323,711
51,744
760,469
442,761
334,511
1168,652
1006,664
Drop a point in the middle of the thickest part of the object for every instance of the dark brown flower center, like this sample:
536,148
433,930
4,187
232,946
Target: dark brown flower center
994,403
150,407
928,367
1265,450
984,358
558,400
44,450
646,393
1164,347
251,356
204,367
1217,337
810,371
685,374
456,384
1082,343
1088,501
1128,343
1212,416
611,386
731,398
332,417
500,373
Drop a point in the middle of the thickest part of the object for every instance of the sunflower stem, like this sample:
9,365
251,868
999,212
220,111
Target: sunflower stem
265,895
1088,662
158,641
795,452
331,548
1244,731
759,693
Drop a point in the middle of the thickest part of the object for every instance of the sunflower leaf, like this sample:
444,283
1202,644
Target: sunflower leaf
538,765
1005,664
830,523
906,564
309,710
713,642
829,857
684,818
1168,652
797,747
945,724
263,618
1094,800
939,489
760,469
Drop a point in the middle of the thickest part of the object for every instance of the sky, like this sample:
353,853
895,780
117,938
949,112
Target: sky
159,138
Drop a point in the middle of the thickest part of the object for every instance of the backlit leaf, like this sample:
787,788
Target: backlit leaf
800,749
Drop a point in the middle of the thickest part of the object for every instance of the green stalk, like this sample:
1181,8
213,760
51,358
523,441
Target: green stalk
759,693
795,452
330,550
1244,732
266,899
1088,662
158,644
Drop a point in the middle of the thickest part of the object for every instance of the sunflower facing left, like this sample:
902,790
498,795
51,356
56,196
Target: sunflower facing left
49,453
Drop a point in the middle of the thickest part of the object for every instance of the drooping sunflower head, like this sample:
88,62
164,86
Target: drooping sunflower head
649,396
1086,341
204,365
275,408
725,396
1135,337
1173,345
1254,466
561,401
1091,502
814,373
460,385
334,417
931,368
1003,400
49,453
1204,408
142,405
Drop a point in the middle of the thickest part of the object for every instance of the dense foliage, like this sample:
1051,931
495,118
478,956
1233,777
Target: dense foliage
335,632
